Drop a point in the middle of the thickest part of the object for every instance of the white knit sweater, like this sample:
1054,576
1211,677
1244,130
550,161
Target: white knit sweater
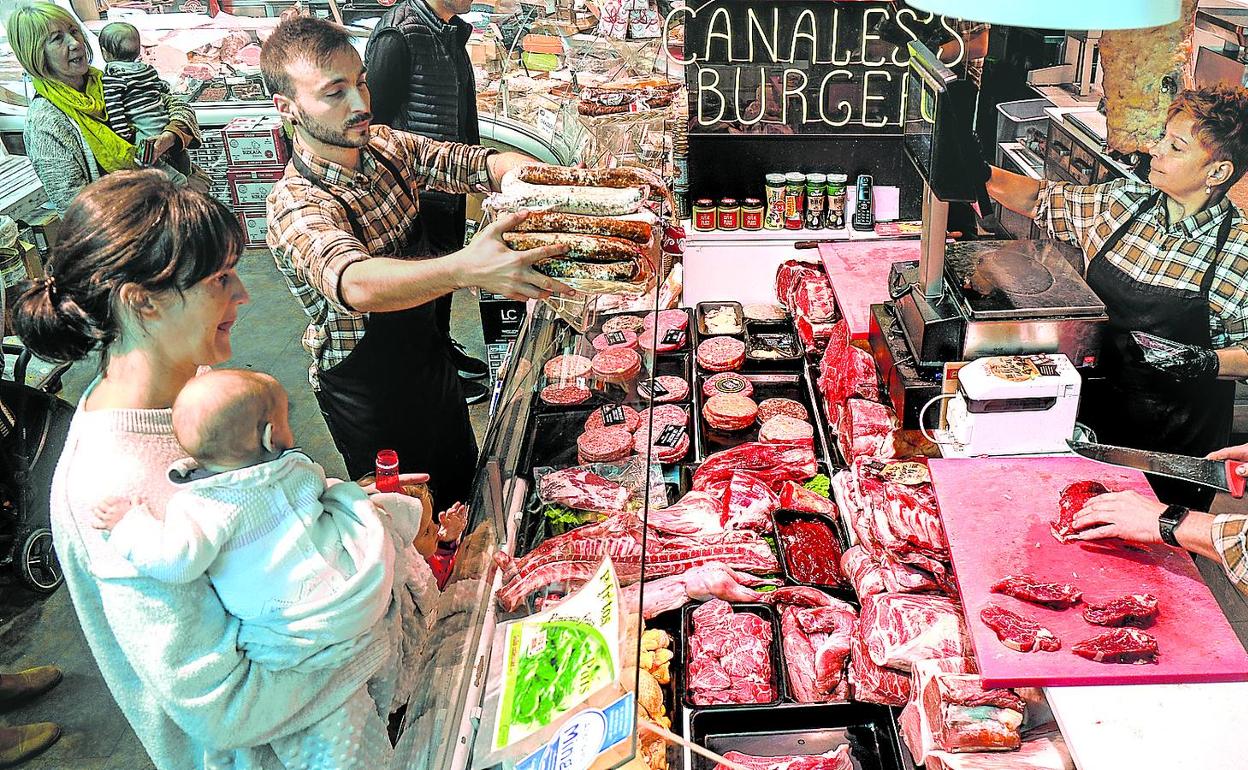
169,652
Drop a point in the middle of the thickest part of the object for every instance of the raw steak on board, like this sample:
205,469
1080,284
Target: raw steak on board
1073,498
1122,645
1017,632
1132,610
1028,588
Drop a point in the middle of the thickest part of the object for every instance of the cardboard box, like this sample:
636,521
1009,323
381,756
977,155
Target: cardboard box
45,228
251,142
255,222
249,187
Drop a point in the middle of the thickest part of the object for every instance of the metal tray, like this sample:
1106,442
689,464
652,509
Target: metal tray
792,385
782,517
705,307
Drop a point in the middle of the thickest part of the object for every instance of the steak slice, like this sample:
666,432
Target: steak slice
1131,610
1059,596
1017,632
1122,645
1073,498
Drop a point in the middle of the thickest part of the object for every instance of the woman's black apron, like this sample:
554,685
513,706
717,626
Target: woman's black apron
1129,403
398,389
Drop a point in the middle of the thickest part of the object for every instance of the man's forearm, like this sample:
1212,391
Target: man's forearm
1233,363
500,163
383,285
1195,534
1014,191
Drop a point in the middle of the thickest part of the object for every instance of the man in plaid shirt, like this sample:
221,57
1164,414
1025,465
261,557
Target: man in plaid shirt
345,231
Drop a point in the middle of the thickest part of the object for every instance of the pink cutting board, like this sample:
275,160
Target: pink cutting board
859,274
996,513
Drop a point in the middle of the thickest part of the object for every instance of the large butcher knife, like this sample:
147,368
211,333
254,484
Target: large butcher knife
1219,474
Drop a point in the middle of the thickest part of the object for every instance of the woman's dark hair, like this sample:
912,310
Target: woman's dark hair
1221,116
130,227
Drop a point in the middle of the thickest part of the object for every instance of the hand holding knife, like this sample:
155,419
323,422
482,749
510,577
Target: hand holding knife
1226,469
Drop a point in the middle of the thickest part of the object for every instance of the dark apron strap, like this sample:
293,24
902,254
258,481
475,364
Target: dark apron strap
1112,242
1224,234
356,228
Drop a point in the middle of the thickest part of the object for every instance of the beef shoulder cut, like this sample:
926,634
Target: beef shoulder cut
1028,588
1072,500
1132,610
774,463
1121,645
1017,632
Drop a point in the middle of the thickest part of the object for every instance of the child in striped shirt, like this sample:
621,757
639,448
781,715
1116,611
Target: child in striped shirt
134,94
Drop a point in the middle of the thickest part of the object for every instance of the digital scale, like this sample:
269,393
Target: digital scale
971,299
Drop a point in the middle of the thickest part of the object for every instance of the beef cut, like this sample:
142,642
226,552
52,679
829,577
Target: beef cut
790,275
729,657
1132,610
901,628
836,759
813,299
816,633
863,428
965,717
748,503
795,497
1017,632
1028,588
1122,645
580,489
863,573
774,463
1072,500
872,683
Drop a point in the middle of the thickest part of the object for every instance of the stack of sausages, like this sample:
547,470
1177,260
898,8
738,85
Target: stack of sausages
626,96
594,212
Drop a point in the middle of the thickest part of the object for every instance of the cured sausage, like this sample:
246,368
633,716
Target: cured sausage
589,177
557,267
569,199
584,248
548,222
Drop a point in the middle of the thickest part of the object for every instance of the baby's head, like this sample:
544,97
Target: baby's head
119,41
230,418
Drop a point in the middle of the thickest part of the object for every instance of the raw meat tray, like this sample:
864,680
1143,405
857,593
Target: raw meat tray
601,392
842,591
765,611
797,730
996,513
596,329
791,385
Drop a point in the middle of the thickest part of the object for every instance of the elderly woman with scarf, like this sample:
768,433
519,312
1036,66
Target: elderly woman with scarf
67,136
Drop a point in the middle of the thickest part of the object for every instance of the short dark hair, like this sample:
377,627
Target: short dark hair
1221,115
302,37
128,228
120,40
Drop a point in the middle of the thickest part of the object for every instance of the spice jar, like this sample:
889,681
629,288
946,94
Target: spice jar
704,215
752,214
794,200
729,214
816,198
773,217
835,218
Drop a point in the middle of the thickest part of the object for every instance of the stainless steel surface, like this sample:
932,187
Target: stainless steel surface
932,256
1229,23
1000,280
1209,473
1215,68
1079,339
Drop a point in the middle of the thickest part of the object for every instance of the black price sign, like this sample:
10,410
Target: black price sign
613,414
808,67
670,436
617,338
674,337
652,389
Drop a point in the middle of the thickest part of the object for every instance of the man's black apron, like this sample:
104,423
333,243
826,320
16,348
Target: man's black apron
398,389
1128,402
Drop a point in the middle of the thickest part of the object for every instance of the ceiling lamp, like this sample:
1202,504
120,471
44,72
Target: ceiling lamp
1058,14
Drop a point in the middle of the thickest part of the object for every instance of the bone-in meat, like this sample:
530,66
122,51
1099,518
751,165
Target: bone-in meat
1132,610
1017,632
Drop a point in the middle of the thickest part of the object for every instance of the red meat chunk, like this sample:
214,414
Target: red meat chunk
1122,645
1059,596
1132,610
1073,498
1017,632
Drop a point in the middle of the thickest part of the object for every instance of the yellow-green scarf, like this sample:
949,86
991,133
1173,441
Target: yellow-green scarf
87,110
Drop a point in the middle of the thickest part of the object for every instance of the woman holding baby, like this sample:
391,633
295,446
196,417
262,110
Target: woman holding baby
144,272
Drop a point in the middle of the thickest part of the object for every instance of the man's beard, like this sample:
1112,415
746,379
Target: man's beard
335,137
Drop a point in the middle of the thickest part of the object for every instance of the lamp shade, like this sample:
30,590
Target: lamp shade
1058,14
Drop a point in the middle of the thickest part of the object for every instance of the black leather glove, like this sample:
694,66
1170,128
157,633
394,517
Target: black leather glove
1189,363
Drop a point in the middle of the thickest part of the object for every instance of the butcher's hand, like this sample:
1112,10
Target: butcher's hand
452,522
110,511
488,263
1236,453
1189,363
1127,516
369,485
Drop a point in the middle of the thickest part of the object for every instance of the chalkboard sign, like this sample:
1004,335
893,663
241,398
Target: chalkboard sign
801,67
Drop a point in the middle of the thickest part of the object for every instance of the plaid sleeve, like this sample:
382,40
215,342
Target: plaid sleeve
1230,531
446,166
1229,297
314,239
1066,210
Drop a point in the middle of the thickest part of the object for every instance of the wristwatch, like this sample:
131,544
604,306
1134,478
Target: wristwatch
1169,521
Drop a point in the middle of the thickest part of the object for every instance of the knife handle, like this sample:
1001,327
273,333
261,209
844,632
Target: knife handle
1234,482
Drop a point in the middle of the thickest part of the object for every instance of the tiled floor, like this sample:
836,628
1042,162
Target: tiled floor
34,631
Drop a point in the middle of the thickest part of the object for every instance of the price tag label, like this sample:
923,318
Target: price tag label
910,474
652,389
547,120
617,338
674,337
670,436
731,385
613,414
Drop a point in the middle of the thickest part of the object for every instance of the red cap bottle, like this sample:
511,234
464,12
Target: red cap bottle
387,471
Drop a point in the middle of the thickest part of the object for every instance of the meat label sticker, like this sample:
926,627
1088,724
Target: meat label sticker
652,389
674,337
613,414
731,385
670,436
909,474
616,338
1013,368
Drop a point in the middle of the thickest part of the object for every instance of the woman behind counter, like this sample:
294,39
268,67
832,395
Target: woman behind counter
1168,258
67,135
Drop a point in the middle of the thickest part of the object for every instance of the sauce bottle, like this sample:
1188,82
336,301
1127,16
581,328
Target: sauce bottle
387,471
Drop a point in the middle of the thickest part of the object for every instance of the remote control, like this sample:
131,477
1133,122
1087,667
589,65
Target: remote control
864,208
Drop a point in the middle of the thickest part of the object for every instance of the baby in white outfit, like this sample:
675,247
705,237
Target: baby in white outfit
304,562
